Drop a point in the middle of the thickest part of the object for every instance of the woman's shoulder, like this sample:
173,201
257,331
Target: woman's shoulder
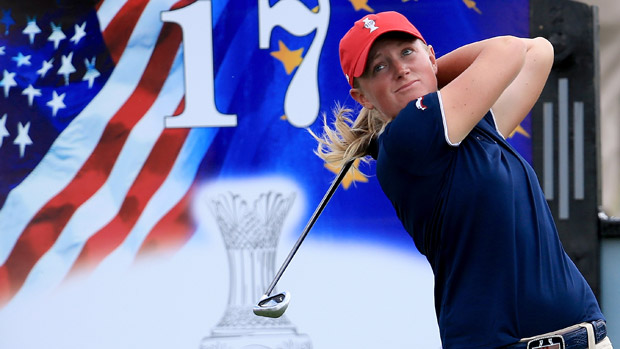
426,105
422,119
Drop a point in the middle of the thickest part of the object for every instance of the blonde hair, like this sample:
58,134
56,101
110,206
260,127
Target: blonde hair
348,139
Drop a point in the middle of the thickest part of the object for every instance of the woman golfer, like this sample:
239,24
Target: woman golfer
473,205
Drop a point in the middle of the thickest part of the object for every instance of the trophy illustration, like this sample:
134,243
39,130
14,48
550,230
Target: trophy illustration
250,233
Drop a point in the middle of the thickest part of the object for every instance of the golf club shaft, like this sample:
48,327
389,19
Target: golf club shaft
310,223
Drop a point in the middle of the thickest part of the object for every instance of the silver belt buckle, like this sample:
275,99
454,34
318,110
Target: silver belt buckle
549,342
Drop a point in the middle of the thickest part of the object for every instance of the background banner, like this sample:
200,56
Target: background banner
156,167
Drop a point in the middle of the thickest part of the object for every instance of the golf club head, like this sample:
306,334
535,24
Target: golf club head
273,306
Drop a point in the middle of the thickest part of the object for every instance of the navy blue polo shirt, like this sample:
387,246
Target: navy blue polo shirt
478,214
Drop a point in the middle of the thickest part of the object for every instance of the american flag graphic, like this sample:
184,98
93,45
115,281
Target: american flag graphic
85,157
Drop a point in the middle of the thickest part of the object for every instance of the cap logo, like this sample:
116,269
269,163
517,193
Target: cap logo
370,24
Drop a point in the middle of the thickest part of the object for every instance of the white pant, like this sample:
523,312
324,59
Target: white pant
604,344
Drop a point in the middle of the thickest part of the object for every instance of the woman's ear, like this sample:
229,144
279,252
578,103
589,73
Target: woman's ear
431,55
359,96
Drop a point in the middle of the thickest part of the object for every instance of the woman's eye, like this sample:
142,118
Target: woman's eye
378,68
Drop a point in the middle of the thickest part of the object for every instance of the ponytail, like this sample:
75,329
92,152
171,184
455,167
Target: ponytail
348,139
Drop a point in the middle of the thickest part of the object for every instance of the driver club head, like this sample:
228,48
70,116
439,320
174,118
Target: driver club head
272,306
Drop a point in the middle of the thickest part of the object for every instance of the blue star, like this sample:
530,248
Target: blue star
3,131
31,29
21,59
57,102
31,92
22,138
57,35
79,33
67,67
8,81
91,72
7,20
46,65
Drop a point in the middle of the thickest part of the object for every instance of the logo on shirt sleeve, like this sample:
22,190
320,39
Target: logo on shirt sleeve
420,103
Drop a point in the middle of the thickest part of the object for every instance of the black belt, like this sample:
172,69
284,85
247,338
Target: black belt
575,339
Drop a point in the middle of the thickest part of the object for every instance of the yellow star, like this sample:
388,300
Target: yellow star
283,117
361,5
290,59
520,130
351,176
471,4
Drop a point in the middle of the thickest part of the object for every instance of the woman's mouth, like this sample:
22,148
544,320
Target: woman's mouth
405,86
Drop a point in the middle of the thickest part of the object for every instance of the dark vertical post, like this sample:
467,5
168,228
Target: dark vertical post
565,128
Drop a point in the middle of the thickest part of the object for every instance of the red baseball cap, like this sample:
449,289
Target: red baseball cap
356,43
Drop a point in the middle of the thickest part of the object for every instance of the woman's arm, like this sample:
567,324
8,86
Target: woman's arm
474,77
519,97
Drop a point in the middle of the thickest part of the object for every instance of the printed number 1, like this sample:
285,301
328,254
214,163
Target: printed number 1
200,110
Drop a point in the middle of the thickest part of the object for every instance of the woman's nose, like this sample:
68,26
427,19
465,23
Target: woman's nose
401,69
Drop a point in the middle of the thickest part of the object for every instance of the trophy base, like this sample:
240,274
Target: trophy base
257,340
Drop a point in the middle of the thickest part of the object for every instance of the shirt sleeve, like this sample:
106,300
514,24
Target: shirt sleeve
492,120
417,137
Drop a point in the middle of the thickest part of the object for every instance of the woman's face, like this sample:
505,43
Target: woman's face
397,71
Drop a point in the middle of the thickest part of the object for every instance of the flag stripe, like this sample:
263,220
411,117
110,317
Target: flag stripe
106,10
123,22
176,188
171,233
45,227
153,173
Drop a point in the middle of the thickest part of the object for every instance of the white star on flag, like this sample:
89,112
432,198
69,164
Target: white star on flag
22,138
91,72
3,131
66,67
57,102
31,29
79,33
57,35
47,65
20,59
2,50
8,81
31,92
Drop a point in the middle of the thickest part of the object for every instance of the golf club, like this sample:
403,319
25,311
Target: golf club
274,306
